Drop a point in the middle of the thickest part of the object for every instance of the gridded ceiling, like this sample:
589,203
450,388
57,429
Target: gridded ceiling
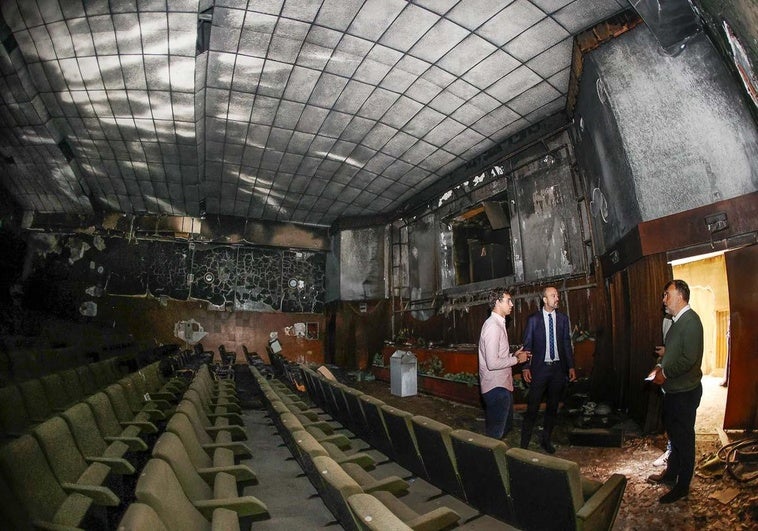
298,111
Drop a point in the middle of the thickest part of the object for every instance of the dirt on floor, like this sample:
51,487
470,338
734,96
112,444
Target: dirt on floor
716,501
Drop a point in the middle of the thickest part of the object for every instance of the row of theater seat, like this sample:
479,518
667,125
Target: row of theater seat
30,402
79,469
193,480
23,358
342,476
24,405
72,468
502,482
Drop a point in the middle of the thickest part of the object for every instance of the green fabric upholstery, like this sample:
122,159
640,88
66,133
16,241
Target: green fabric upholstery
89,440
484,473
532,474
140,517
56,393
436,449
14,418
373,515
24,467
35,400
68,464
406,450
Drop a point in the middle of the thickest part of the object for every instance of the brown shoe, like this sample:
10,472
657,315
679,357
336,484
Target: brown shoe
661,479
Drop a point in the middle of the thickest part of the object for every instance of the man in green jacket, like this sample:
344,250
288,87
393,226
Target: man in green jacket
679,375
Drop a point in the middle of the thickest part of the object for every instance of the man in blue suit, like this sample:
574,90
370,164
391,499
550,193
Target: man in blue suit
547,336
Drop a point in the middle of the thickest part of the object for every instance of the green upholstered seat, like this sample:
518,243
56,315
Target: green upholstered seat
483,471
436,449
570,505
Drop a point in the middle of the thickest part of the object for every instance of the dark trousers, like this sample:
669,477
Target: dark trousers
549,380
679,411
498,403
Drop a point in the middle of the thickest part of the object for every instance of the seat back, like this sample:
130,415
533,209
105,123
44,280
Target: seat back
483,472
357,420
335,487
24,467
400,430
140,517
531,475
374,515
105,415
159,488
102,375
188,409
181,426
436,451
119,402
13,515
87,379
14,418
35,399
170,448
378,436
72,384
81,421
308,448
58,444
55,390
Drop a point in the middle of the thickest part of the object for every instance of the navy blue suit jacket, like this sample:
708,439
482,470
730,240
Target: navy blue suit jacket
534,341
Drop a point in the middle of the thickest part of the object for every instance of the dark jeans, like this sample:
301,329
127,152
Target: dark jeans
498,404
679,411
549,380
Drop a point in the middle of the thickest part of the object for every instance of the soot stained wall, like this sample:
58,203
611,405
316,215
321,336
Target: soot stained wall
660,134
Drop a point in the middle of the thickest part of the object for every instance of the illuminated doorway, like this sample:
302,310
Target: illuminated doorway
709,297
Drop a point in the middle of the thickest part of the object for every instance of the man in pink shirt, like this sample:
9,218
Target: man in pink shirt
495,362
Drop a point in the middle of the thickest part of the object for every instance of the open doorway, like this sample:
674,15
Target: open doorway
709,296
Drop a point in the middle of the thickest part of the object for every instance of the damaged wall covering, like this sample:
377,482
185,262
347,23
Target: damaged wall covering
242,278
660,135
65,271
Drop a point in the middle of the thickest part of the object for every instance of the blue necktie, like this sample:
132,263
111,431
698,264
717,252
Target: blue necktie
550,333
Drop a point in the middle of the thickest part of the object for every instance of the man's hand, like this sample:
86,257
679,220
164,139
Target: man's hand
660,351
659,378
572,375
521,355
526,374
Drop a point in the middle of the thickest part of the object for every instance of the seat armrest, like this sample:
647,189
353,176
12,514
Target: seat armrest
393,484
144,425
240,473
239,449
118,465
225,520
135,444
362,459
100,495
238,434
163,396
601,509
230,415
242,505
439,518
49,526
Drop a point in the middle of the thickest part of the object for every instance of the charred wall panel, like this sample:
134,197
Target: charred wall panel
660,135
549,222
361,265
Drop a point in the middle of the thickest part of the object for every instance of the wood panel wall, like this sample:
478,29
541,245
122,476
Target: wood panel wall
742,399
636,314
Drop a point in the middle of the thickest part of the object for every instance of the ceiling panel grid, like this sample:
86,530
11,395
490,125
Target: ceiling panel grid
291,111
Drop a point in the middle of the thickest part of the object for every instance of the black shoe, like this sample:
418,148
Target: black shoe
548,447
661,479
677,493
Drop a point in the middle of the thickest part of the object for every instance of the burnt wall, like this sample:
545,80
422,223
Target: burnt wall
658,134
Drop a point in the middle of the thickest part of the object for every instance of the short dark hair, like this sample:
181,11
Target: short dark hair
543,294
495,295
680,286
